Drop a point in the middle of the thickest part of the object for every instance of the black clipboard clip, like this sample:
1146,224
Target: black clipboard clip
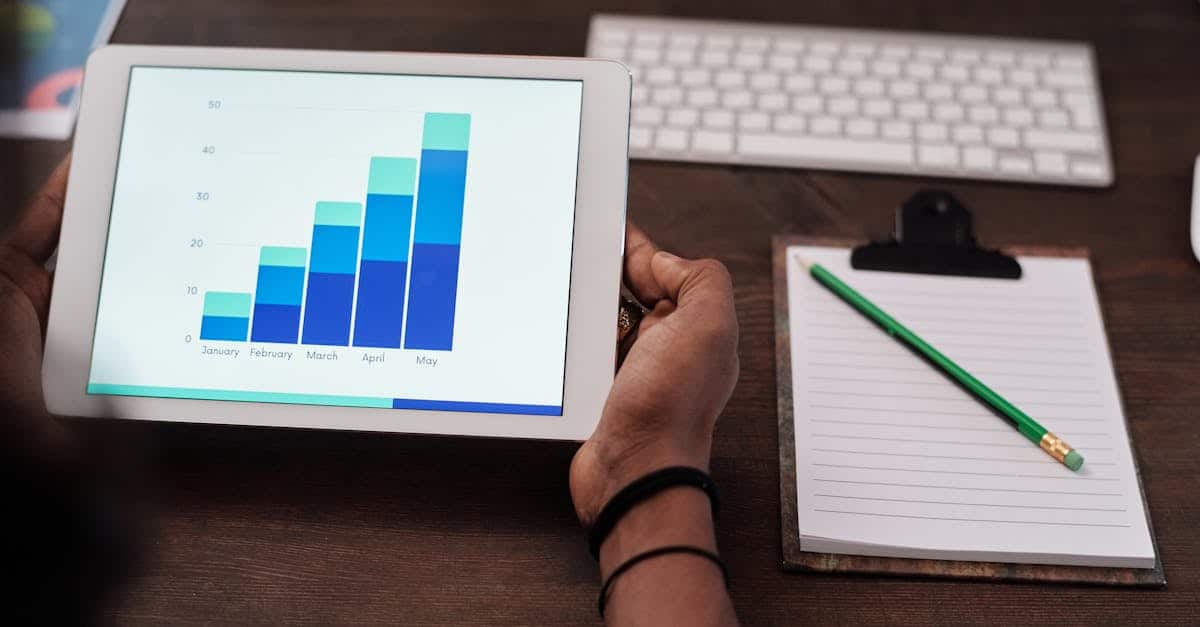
934,235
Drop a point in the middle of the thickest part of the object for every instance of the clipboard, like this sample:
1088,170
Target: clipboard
933,236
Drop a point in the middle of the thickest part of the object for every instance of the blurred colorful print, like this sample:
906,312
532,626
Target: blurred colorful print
43,46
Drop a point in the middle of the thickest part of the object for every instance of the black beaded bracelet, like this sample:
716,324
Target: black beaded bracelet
642,489
666,550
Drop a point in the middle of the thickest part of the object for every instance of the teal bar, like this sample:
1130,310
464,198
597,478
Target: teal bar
392,176
234,395
282,256
227,304
446,131
339,213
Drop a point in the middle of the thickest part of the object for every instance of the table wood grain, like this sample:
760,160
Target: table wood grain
295,526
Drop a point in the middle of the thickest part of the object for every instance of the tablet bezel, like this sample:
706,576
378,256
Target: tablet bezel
595,260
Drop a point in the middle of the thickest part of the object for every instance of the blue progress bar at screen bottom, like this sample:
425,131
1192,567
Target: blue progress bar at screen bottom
320,399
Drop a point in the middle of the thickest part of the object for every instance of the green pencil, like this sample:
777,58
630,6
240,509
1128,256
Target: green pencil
1052,444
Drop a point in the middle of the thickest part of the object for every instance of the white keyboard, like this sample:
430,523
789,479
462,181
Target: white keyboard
870,101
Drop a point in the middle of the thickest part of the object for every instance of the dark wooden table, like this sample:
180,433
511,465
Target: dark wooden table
286,526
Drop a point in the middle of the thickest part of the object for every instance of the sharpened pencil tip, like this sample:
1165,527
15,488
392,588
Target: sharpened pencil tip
804,263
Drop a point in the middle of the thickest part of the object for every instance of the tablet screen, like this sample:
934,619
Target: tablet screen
363,240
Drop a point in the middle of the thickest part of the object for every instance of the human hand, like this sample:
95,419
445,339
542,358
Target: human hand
674,382
24,305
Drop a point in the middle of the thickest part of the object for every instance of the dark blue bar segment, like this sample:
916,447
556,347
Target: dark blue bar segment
224,328
485,408
276,323
380,311
327,310
432,297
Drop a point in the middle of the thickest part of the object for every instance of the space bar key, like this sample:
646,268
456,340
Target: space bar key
825,149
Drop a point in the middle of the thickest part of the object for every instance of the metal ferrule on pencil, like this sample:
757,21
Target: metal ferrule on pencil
1055,446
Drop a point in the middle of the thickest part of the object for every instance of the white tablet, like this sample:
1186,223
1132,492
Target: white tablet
383,242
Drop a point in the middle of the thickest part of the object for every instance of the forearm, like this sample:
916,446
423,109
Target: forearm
676,588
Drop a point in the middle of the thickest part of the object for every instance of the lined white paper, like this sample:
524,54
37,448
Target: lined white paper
895,460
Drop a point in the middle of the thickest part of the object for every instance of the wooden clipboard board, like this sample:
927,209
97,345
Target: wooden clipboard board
795,559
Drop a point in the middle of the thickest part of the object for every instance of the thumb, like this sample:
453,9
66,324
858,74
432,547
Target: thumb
685,280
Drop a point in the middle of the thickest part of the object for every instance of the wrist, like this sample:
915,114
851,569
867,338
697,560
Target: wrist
681,515
611,471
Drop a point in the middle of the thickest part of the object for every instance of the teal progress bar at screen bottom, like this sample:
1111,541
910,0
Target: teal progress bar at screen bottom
321,399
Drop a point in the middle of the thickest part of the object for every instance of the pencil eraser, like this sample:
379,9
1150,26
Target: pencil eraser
1073,460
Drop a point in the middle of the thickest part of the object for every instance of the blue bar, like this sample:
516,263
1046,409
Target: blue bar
486,408
434,288
380,312
432,297
332,265
277,304
223,328
383,271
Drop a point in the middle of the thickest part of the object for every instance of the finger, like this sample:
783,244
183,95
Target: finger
35,231
687,282
639,277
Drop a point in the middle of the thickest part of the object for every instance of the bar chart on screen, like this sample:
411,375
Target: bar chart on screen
340,239
326,300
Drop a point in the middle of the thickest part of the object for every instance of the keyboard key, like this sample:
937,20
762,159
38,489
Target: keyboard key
1016,165
608,52
948,112
1062,140
646,55
834,85
1003,137
955,73
939,91
860,49
879,108
1035,60
790,123
640,94
825,47
862,128
773,102
683,117
661,76
1085,118
1006,95
943,156
979,158
1053,118
868,87
667,96
825,149
718,119
895,51
1022,78
931,53
1002,58
897,130
754,121
808,104
799,83
680,56
932,132
919,71
695,77
818,65
966,56
852,67
1066,79
984,115
914,110
789,45
1043,98
764,81
1071,62
1018,116
755,43
826,126
648,38
783,62
886,69
639,137
968,134
714,58
726,79
649,116
903,89
973,93
844,106
748,60
712,141
612,36
737,99
670,139
702,97
683,40
718,41
1089,169
988,75
1052,163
